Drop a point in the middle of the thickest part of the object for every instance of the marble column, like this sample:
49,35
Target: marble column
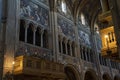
81,51
26,28
61,45
86,54
66,47
10,37
105,5
54,29
42,32
71,49
34,35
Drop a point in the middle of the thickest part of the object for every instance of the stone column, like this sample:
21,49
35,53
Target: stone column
81,52
89,55
61,46
42,32
95,54
71,49
75,48
86,54
10,36
34,35
26,27
104,4
54,29
66,47
3,23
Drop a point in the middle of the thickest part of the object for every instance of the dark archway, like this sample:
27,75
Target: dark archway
116,78
45,39
90,76
63,46
106,77
38,37
71,73
30,34
68,47
22,31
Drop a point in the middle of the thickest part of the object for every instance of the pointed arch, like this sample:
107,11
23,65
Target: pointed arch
106,76
30,33
90,74
22,31
45,39
71,72
38,37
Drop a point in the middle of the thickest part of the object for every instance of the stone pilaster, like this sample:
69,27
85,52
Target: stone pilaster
10,37
54,29
116,18
104,5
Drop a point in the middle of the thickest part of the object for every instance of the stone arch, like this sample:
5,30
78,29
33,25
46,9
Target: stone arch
90,74
106,76
71,72
116,77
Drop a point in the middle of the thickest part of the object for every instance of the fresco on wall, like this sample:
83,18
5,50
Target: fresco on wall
66,28
59,10
84,38
31,10
46,2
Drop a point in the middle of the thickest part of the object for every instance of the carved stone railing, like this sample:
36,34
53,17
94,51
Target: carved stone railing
89,65
39,67
32,50
105,69
69,59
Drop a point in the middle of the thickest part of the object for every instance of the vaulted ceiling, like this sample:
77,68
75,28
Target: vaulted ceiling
90,8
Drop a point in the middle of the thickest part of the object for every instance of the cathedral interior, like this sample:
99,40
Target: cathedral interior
59,39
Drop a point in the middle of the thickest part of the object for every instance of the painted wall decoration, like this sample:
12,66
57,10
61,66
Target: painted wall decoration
29,9
84,38
66,28
59,10
46,2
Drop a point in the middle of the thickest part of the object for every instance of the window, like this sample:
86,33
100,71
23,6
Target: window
82,19
63,5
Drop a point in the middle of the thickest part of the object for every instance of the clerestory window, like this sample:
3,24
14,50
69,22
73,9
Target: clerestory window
63,5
